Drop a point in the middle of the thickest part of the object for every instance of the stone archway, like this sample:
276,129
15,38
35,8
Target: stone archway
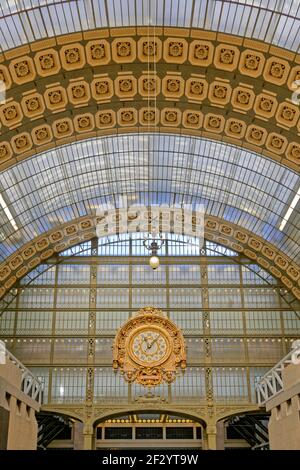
223,232
194,413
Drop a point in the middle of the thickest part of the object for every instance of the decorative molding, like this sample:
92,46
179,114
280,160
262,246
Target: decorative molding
223,412
76,411
225,233
197,411
134,357
63,89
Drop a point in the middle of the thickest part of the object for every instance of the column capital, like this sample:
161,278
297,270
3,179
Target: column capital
88,429
211,429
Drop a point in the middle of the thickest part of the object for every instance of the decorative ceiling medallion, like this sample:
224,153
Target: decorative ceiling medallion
149,348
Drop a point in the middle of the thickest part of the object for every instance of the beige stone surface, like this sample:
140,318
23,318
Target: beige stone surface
284,423
291,375
21,429
11,373
78,435
220,435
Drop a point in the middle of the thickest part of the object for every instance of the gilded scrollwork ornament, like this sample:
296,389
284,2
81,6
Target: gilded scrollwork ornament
149,349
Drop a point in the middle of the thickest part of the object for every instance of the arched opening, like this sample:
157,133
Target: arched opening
229,309
251,428
177,103
146,429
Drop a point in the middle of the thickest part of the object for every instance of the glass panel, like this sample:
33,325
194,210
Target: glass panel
32,351
112,297
275,22
148,296
116,245
230,384
73,274
68,385
191,385
260,298
109,322
84,249
70,351
138,391
180,297
180,433
223,274
180,245
143,274
195,350
212,249
260,322
226,322
47,277
34,323
118,433
291,323
149,433
113,274
107,384
184,274
103,350
189,322
228,350
265,350
71,323
72,298
36,298
255,275
224,298
7,322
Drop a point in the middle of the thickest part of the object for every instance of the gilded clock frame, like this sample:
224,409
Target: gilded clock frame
154,373
140,362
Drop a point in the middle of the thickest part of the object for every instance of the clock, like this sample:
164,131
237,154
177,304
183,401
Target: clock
149,348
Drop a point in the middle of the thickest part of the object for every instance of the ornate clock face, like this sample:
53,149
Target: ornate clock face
149,346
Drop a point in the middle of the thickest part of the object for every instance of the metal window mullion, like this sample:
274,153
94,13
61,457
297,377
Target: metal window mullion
129,386
19,287
90,373
246,352
130,281
285,347
206,331
168,312
282,331
53,330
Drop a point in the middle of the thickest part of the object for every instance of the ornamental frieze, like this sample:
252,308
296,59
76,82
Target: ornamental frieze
187,69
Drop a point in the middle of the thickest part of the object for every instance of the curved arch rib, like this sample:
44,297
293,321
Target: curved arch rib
59,239
223,87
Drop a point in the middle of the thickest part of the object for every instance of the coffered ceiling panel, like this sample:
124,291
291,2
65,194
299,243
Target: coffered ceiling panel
195,109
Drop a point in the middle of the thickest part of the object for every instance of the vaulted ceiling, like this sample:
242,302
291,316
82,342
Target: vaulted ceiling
273,21
196,108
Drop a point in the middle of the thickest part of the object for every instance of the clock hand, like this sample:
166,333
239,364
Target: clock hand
146,339
154,341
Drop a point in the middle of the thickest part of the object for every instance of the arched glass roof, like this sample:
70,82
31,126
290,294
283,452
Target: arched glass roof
72,181
273,21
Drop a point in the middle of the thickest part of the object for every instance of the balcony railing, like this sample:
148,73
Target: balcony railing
30,385
271,384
